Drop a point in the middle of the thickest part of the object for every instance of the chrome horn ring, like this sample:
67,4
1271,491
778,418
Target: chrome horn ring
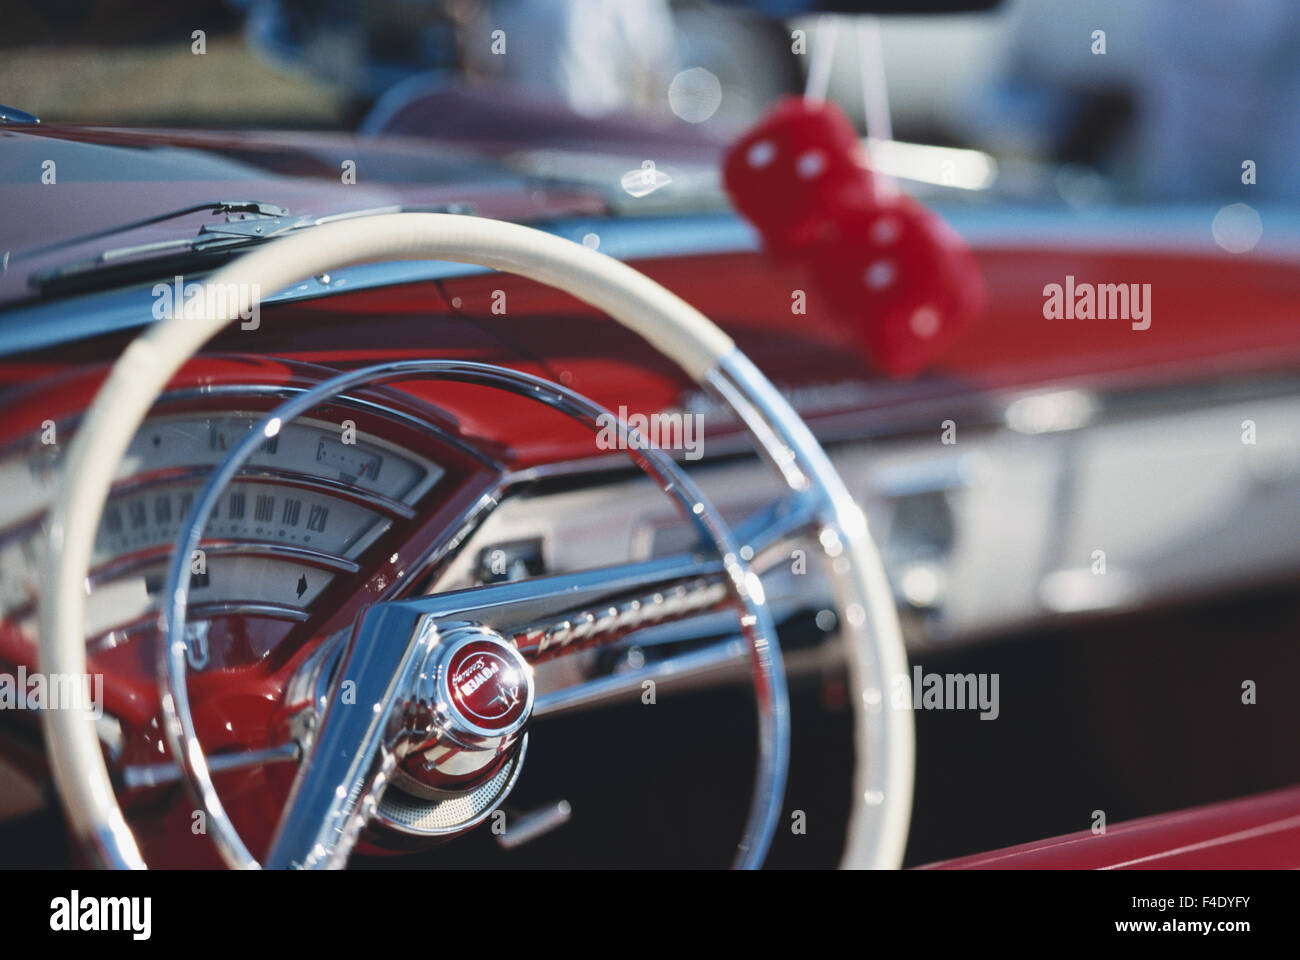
328,843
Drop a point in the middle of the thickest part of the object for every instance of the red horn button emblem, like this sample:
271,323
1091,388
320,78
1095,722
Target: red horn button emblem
487,685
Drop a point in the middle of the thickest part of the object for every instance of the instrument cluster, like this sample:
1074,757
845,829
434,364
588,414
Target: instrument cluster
301,513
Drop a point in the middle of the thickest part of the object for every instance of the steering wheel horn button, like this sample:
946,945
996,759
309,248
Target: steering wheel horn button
488,684
472,699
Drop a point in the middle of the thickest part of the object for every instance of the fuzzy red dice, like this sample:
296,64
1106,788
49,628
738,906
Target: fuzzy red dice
906,281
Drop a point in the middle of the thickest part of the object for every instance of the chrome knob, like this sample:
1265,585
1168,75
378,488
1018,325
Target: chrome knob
472,700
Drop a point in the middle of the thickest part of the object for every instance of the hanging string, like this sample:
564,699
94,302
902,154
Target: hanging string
875,96
871,67
823,54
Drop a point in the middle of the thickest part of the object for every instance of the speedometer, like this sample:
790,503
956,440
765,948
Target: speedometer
306,505
263,510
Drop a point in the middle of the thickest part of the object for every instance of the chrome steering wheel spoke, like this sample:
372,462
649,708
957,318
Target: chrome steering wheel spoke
352,748
356,740
552,615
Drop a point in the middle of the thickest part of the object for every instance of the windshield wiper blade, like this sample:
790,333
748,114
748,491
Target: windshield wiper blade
214,244
216,206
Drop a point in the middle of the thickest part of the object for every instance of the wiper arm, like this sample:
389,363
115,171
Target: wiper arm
247,223
216,206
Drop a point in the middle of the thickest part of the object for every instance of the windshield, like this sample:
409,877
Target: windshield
1113,101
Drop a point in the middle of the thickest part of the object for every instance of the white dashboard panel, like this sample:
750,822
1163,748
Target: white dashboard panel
1184,501
1003,529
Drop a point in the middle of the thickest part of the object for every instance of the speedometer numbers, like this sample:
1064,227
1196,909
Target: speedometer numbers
306,505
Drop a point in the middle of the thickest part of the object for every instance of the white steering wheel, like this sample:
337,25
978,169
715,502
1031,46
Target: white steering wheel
818,502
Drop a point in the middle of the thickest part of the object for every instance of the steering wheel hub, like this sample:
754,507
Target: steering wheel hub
472,697
488,683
